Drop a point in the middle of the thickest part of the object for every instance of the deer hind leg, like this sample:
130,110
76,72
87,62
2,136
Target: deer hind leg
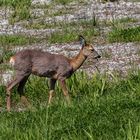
10,87
51,92
65,90
18,78
21,91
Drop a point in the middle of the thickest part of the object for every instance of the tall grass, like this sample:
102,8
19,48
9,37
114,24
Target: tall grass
63,2
21,9
17,39
100,110
68,31
124,35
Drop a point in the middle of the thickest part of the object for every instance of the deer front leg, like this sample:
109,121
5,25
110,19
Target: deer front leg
65,90
8,100
51,92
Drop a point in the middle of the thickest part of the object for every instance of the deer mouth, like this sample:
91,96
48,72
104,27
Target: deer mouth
96,57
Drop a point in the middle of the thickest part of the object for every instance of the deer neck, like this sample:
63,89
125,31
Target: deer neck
77,61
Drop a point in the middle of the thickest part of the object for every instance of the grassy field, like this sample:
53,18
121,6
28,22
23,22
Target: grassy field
124,35
101,109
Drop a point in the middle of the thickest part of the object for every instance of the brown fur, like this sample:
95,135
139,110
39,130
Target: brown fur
44,64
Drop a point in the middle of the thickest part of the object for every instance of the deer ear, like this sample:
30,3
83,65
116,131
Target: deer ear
82,40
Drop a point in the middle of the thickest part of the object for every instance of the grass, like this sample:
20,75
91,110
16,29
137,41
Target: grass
127,20
124,35
63,11
15,40
120,23
64,25
69,30
63,2
6,54
69,35
100,109
21,9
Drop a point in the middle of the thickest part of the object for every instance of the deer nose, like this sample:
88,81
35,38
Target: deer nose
96,54
99,56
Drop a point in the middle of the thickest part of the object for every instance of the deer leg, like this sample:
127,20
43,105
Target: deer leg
64,89
9,88
21,91
52,87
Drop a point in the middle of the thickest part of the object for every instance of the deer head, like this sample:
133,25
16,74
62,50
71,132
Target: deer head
88,49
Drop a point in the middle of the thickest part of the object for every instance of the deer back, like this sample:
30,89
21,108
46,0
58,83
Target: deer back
42,64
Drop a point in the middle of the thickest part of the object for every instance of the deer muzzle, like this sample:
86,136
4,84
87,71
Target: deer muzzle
96,55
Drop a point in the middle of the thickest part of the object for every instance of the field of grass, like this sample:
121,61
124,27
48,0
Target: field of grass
124,35
15,40
69,30
101,109
21,9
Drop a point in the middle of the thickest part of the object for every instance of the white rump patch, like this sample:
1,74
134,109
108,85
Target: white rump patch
12,61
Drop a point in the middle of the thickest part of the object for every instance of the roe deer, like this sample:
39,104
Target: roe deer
44,64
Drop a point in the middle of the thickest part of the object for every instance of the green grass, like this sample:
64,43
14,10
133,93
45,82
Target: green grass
120,23
69,30
63,2
6,54
14,3
127,20
21,9
70,35
83,24
7,2
14,40
124,35
100,110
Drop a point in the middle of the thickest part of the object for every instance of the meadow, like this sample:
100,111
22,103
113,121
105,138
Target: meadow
102,108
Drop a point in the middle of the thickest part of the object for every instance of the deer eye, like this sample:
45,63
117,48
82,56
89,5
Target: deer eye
91,48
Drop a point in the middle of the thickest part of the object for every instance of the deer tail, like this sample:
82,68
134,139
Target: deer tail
12,61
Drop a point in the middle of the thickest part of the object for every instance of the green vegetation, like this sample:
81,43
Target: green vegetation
6,54
66,2
4,67
100,109
69,30
110,0
124,35
120,23
70,35
126,20
14,40
14,3
7,2
63,2
83,24
21,9
62,11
